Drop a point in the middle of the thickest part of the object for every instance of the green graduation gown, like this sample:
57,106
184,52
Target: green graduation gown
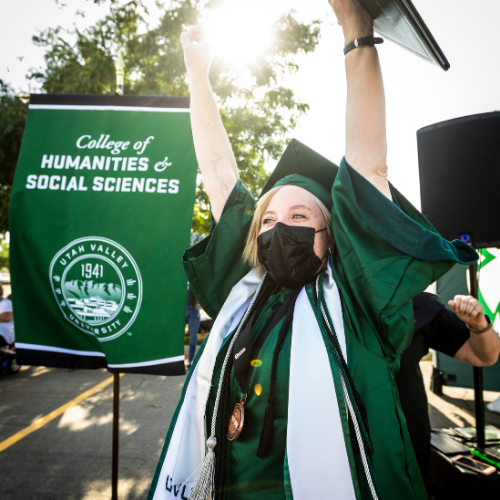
256,479
385,253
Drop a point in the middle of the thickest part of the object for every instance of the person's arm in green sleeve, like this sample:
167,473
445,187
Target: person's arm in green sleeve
215,265
213,150
387,251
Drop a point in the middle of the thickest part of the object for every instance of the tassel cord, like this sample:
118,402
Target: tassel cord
327,323
204,482
333,337
266,434
229,353
205,477
367,465
344,372
220,492
281,338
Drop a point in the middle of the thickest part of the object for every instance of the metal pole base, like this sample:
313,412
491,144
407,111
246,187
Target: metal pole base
478,372
116,429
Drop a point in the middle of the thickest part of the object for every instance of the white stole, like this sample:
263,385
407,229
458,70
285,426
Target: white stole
316,450
317,456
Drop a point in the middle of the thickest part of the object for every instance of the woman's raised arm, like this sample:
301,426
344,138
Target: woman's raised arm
366,146
213,150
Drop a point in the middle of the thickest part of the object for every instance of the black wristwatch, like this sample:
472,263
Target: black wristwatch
485,329
366,41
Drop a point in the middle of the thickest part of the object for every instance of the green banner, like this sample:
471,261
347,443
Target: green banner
489,283
100,215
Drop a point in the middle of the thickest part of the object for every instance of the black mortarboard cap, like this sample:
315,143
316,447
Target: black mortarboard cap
302,160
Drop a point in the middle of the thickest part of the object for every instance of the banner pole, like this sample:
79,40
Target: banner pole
477,372
120,73
116,428
120,67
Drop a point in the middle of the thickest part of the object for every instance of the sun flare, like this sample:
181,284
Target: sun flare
241,31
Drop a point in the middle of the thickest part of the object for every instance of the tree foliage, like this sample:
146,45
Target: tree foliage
258,116
4,253
13,112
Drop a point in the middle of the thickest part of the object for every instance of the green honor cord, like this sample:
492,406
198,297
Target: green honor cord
485,457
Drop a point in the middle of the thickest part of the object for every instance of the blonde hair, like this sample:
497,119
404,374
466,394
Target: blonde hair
250,252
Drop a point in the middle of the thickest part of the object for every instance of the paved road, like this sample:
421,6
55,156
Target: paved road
455,407
70,457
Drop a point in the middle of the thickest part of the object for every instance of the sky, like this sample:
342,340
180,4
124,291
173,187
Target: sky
417,93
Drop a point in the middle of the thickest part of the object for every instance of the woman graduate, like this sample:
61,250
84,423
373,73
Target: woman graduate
292,395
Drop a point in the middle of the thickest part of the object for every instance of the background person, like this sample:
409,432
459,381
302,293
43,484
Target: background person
452,333
193,318
7,336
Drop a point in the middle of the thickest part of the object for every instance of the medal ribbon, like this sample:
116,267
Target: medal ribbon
244,353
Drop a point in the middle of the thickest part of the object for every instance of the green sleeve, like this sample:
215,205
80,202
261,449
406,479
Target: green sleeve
214,265
387,252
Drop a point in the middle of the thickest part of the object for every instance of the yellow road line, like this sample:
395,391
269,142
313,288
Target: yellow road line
40,422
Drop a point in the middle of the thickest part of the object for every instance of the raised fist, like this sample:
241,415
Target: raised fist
469,310
353,17
198,52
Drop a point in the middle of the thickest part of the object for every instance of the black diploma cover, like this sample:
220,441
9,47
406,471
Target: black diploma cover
399,21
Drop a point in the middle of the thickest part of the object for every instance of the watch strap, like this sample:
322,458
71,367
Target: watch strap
366,41
485,329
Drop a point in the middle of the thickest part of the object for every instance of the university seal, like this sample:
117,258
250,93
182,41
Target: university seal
97,285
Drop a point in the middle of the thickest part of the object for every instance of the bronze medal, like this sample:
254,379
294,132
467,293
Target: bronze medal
236,421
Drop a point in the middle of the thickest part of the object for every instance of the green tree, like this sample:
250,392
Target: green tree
13,113
4,253
258,117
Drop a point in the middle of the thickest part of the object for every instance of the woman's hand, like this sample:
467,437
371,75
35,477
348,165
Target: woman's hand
211,143
478,350
198,52
356,22
469,310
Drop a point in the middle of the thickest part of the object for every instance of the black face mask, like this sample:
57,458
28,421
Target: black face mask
287,252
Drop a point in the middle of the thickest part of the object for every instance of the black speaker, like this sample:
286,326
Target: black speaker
459,167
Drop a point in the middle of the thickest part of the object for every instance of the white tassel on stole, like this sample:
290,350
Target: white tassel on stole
204,483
